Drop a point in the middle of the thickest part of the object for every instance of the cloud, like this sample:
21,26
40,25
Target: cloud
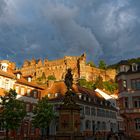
103,29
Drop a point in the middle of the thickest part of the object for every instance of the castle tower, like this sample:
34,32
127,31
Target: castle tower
82,66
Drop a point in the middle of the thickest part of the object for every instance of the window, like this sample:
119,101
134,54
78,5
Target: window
137,124
136,102
126,102
22,91
122,85
28,92
17,89
82,110
103,126
7,84
87,110
88,124
93,111
98,125
135,84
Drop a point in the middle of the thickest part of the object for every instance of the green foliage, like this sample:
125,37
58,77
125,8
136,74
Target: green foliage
110,86
84,83
51,77
43,114
99,83
91,64
102,64
13,110
130,61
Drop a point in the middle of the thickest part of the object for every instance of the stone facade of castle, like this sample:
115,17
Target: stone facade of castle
58,68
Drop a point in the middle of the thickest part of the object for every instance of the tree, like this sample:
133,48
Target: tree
51,77
12,111
110,86
99,83
102,64
43,115
91,64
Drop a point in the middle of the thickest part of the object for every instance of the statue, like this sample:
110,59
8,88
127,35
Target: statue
69,96
69,79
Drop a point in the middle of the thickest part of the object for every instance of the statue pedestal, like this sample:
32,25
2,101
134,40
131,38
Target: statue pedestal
69,120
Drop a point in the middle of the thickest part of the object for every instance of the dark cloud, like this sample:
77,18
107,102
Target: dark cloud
103,29
2,7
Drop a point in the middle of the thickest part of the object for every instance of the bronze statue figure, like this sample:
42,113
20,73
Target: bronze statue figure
69,79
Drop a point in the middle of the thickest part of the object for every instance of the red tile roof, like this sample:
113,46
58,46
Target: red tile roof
60,87
7,74
25,82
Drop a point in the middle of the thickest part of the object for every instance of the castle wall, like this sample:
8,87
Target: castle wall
58,69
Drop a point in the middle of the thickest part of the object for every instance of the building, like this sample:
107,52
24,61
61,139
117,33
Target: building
97,114
27,91
128,78
57,68
113,99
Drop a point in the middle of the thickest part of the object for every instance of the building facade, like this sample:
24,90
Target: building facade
26,90
128,78
97,115
58,68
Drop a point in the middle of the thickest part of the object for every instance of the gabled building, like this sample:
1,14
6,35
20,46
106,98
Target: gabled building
128,78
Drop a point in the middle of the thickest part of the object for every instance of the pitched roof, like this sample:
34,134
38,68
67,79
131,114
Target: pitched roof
60,87
7,74
25,82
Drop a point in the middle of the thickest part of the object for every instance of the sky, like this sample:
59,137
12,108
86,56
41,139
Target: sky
103,29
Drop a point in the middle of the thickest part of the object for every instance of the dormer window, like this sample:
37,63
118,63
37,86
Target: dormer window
56,94
49,95
4,66
134,67
80,96
29,79
18,76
